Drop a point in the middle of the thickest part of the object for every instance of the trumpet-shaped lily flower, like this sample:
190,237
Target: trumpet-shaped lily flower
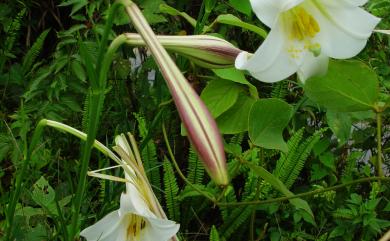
304,33
140,216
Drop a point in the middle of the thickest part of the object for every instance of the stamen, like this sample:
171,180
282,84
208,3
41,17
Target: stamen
134,228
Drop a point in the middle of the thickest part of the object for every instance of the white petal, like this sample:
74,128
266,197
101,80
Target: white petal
313,66
106,229
343,30
159,229
271,62
120,140
268,10
133,202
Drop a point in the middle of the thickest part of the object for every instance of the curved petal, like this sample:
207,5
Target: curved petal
268,10
133,202
271,62
344,30
313,66
159,229
108,228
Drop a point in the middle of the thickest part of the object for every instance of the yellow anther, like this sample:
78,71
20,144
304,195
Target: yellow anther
303,25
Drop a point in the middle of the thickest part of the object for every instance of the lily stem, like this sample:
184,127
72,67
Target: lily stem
305,194
379,143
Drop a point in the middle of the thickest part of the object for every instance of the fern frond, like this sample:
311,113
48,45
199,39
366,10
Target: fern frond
237,217
237,139
343,213
214,235
279,90
289,166
283,161
149,156
34,51
195,168
13,30
171,190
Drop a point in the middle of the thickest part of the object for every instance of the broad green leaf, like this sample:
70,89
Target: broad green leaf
237,76
267,119
235,120
348,86
219,95
43,194
340,123
278,185
243,6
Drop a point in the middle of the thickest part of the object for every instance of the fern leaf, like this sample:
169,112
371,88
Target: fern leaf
195,168
292,144
343,213
171,190
214,235
34,51
235,220
149,157
237,139
13,30
279,90
289,166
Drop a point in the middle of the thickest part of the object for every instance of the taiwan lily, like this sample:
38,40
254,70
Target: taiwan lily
304,33
140,216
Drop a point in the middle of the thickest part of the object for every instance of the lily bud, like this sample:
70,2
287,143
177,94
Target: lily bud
202,128
204,50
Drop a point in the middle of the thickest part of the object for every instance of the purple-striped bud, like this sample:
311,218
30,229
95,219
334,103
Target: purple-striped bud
201,127
204,50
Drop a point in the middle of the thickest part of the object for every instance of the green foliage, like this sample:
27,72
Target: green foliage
171,190
289,166
280,139
214,235
267,119
348,86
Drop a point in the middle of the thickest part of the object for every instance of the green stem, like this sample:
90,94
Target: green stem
379,143
19,179
96,102
212,199
305,194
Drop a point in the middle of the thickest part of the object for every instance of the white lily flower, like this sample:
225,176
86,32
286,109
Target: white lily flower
304,33
140,216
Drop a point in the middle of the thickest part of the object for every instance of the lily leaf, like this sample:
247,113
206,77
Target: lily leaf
267,119
347,87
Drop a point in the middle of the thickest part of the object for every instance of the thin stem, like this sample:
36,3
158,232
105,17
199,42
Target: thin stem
305,194
178,168
19,179
379,143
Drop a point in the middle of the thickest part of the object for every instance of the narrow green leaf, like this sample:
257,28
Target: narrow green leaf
230,19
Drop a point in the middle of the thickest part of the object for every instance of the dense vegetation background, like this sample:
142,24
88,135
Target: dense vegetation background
43,76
